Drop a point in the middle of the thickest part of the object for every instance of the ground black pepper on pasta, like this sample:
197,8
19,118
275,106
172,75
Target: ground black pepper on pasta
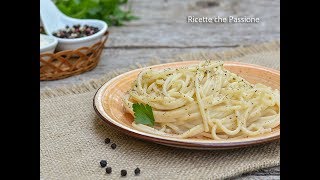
197,78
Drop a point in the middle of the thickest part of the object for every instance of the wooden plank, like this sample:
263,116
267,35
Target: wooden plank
187,35
175,11
163,24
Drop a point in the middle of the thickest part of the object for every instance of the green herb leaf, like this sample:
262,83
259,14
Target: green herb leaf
109,11
143,114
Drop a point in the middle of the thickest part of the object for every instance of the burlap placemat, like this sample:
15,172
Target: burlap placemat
72,136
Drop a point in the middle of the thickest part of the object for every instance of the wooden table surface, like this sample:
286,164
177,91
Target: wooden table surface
162,32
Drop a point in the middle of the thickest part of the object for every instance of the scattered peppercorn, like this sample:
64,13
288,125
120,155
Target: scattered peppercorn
113,145
103,163
123,172
76,31
108,170
137,171
107,140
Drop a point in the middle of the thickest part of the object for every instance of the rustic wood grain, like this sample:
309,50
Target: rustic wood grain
164,24
161,31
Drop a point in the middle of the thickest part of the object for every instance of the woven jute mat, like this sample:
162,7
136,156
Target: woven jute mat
72,135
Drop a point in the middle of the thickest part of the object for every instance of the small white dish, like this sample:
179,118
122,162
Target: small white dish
53,20
47,43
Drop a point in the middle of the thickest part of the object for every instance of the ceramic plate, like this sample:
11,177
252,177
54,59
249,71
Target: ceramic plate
109,106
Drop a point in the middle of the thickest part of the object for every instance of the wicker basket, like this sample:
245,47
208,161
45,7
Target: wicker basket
70,62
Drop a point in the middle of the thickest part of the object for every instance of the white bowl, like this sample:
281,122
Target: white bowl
51,44
53,20
71,44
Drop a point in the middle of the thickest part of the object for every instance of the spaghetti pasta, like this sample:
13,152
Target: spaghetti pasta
204,101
